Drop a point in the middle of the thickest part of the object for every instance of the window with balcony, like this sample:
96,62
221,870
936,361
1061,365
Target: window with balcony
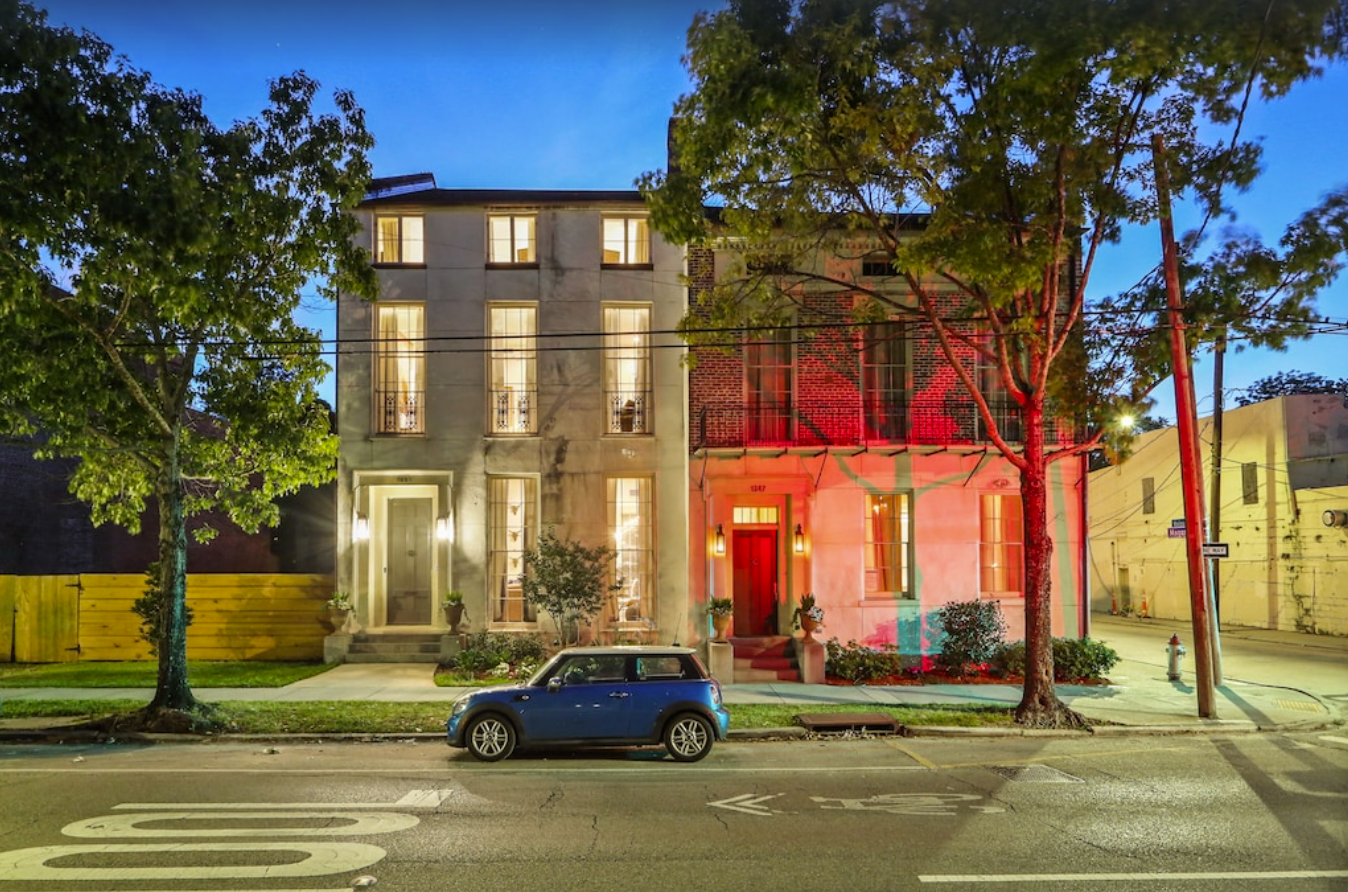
1001,546
888,546
884,381
627,369
511,238
629,521
769,387
399,240
627,241
400,369
512,528
514,368
1005,410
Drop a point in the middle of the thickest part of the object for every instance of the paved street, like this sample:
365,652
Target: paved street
1210,812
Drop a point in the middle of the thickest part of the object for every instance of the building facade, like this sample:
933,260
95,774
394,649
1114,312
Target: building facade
1284,518
850,464
511,377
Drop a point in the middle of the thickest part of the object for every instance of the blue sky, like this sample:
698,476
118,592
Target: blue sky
577,93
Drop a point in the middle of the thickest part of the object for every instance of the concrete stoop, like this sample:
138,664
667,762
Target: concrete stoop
394,647
765,659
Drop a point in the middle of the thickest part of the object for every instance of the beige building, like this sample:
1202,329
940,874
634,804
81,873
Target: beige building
509,379
1284,516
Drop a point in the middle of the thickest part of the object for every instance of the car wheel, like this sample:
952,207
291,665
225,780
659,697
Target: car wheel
491,738
689,737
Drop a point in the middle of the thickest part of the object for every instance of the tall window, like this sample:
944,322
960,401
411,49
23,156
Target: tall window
884,381
511,238
400,369
627,240
627,369
1005,410
512,527
1249,483
888,545
399,240
514,369
769,385
1148,495
1001,545
629,521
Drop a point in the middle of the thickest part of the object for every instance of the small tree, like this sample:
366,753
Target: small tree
568,580
1290,384
973,631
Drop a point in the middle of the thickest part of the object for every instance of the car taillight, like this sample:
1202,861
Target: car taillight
715,692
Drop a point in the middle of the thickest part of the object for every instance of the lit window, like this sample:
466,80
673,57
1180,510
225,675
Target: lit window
512,528
399,240
751,514
888,540
514,362
400,362
1001,545
629,520
511,238
627,369
627,240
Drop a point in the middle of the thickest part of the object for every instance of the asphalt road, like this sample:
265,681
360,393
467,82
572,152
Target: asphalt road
1253,811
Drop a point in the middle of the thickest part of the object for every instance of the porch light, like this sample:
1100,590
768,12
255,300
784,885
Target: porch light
799,540
444,532
362,530
719,546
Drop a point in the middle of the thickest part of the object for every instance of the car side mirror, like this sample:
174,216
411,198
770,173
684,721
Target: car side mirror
554,685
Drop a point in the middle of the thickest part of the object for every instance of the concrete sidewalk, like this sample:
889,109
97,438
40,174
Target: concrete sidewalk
1139,698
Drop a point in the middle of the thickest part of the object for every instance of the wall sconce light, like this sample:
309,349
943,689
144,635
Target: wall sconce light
362,531
444,530
719,545
799,540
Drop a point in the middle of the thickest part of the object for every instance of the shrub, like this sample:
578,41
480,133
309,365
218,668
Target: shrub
484,651
857,663
1073,658
973,632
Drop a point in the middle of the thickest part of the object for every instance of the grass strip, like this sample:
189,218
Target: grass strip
145,673
373,717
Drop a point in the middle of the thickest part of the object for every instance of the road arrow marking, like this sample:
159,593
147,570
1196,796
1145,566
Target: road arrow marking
748,803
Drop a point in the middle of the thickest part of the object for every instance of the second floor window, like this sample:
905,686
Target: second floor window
884,381
627,369
400,369
399,240
1005,410
1001,548
769,386
514,369
511,238
627,240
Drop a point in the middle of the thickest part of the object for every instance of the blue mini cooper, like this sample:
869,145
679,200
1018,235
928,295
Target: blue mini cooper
598,696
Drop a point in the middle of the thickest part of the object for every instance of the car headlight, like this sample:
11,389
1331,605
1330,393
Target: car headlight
459,706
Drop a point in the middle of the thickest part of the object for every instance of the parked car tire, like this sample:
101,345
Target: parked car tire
689,737
490,738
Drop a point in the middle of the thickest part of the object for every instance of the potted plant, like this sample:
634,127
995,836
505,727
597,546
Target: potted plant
720,609
454,610
808,616
339,607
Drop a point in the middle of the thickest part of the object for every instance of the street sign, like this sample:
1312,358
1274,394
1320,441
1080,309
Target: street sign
1216,549
1177,523
1175,532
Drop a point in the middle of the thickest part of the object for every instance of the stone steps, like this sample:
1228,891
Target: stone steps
765,659
394,647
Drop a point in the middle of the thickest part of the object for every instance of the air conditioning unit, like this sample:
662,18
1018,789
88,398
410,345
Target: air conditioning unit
1335,518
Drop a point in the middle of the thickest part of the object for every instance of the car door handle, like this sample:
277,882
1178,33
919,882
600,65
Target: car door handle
619,694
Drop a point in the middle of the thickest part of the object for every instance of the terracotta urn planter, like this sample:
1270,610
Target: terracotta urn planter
720,622
808,625
454,616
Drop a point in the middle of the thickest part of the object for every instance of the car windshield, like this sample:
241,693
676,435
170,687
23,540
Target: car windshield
540,678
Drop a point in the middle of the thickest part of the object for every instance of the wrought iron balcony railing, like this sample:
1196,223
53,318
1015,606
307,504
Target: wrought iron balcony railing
512,411
628,411
953,422
401,411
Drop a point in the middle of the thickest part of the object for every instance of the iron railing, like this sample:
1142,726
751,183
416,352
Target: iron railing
513,411
401,411
628,411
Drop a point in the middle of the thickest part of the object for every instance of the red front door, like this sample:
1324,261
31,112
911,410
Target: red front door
755,556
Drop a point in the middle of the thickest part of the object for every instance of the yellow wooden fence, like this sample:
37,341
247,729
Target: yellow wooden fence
55,619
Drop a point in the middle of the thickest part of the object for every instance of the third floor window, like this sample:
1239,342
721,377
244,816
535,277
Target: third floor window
399,239
512,238
627,370
627,240
514,370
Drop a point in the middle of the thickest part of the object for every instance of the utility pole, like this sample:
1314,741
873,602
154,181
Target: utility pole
1191,464
1215,508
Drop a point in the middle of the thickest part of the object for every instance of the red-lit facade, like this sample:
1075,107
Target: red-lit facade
855,467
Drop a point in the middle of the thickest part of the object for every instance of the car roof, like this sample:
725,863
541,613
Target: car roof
643,650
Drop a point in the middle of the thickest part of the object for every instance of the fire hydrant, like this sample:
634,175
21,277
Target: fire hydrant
1175,652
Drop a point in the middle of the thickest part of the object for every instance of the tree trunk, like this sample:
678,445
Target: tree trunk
1039,703
172,692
